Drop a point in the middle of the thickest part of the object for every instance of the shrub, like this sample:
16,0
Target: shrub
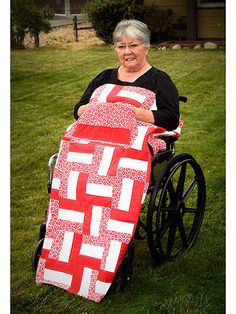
105,14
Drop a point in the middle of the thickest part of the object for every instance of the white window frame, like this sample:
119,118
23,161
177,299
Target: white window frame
211,4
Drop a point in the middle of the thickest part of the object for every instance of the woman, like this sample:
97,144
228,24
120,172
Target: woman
103,169
131,39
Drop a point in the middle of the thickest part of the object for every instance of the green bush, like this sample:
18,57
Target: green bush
105,14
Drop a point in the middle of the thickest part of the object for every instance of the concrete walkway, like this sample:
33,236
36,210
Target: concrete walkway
63,20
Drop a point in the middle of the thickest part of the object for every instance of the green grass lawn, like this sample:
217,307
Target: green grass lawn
45,85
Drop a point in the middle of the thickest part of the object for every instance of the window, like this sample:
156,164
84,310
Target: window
211,3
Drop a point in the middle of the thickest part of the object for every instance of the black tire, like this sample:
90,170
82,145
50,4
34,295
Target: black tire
42,231
176,208
36,254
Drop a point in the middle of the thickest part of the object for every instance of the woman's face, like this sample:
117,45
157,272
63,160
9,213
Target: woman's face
131,53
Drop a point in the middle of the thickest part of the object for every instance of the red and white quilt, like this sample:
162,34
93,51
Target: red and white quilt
100,181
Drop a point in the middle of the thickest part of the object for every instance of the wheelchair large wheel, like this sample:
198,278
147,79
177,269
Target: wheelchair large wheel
176,208
36,254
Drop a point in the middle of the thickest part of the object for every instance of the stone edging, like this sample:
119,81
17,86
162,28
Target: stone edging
194,45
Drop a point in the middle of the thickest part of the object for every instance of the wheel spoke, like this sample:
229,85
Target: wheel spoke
168,223
189,189
168,209
171,238
192,210
182,232
180,185
162,212
171,191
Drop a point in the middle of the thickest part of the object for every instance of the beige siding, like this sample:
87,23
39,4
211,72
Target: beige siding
210,23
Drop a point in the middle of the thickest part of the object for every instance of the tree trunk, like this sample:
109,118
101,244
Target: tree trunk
36,40
20,42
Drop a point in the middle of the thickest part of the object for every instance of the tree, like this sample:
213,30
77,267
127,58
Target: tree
26,17
40,22
20,14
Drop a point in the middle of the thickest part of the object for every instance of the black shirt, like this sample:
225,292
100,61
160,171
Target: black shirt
167,98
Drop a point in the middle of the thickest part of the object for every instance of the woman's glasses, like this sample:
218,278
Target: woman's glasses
132,47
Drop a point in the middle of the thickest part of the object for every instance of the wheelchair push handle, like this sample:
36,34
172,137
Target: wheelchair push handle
183,98
51,164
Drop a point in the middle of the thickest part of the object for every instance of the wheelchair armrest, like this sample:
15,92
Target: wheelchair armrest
161,156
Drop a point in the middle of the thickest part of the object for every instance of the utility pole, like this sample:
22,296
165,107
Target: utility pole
67,7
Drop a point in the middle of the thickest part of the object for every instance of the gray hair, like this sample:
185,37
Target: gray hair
132,29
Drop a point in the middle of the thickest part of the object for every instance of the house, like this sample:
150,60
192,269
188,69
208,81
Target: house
201,19
197,19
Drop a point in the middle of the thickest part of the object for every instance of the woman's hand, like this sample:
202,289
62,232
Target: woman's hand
143,115
82,109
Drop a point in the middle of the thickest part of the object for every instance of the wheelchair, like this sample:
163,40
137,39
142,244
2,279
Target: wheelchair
171,215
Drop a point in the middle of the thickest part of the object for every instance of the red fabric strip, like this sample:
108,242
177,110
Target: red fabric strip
113,97
101,133
82,148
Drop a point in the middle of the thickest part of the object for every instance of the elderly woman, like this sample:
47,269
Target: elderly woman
103,169
132,42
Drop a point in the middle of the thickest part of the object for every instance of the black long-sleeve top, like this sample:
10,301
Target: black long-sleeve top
167,98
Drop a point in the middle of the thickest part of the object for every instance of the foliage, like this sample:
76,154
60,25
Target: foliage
104,15
159,21
40,22
20,18
44,91
26,17
180,23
